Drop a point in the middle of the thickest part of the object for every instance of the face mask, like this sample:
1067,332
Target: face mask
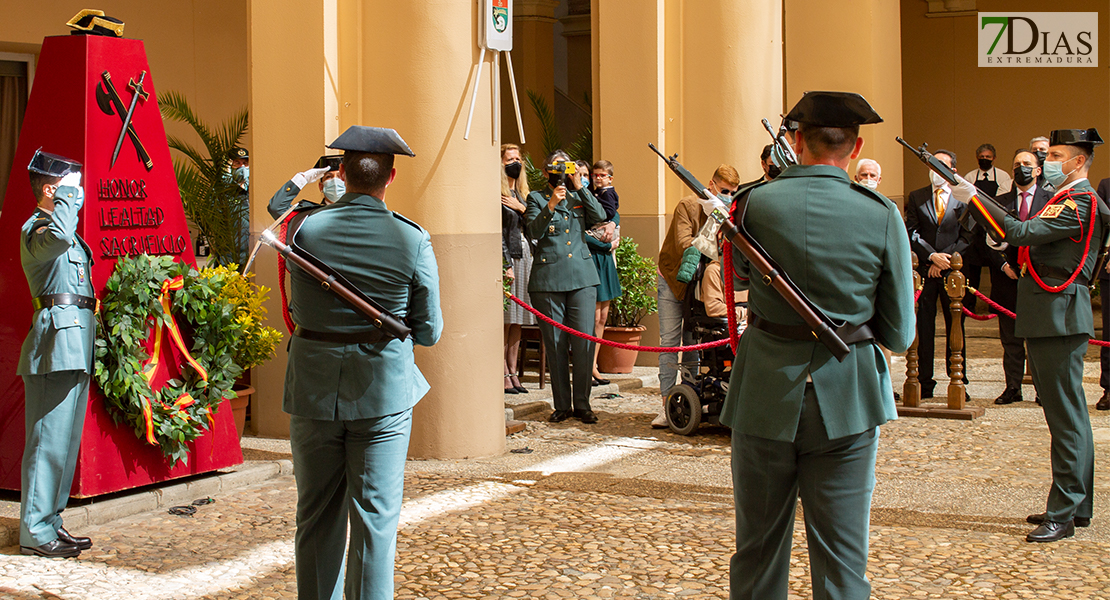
871,183
1054,172
512,170
1040,157
985,164
242,176
937,180
773,171
334,189
726,198
1023,175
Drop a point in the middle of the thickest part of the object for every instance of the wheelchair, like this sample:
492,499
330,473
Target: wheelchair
699,395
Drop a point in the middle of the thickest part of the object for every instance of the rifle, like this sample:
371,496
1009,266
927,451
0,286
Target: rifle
335,282
782,153
823,328
995,210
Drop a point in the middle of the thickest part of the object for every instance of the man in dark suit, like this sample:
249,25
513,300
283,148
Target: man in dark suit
1025,199
932,221
1103,289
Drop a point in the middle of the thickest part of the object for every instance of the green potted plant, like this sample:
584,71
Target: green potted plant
638,299
257,342
213,202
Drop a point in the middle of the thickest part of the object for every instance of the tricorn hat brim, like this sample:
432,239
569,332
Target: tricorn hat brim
833,109
374,140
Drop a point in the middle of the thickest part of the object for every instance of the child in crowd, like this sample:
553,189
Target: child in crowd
602,188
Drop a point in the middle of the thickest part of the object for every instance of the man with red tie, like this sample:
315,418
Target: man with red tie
932,221
1026,198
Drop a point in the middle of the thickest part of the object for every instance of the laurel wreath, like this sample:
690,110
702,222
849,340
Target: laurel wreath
131,309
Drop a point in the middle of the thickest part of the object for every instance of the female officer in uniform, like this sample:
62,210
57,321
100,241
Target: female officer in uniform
563,282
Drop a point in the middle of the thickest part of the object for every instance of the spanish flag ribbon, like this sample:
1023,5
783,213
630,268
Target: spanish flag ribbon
154,364
148,417
983,211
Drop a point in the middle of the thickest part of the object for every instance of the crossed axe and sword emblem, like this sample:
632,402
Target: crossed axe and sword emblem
110,102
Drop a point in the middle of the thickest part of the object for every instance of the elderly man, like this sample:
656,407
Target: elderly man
869,173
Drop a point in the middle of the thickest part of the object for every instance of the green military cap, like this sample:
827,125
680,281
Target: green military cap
374,140
53,165
331,161
1084,138
833,109
95,22
239,152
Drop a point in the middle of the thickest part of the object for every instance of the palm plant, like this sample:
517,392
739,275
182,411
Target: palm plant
550,141
212,201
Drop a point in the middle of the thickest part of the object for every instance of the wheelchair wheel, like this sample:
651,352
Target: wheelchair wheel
683,410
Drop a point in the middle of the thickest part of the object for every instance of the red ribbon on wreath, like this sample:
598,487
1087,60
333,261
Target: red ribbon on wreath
154,364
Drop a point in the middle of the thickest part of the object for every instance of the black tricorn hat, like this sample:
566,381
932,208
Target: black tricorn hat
833,109
239,152
331,161
1087,138
375,140
53,165
94,22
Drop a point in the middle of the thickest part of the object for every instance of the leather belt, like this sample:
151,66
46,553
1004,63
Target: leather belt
1057,273
63,300
850,334
362,337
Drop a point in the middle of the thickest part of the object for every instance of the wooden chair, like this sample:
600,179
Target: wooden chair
529,333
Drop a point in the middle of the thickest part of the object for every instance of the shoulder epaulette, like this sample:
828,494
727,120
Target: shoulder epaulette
38,226
304,205
409,221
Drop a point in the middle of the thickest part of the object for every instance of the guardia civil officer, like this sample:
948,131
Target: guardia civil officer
349,387
803,423
1054,316
564,282
57,356
240,175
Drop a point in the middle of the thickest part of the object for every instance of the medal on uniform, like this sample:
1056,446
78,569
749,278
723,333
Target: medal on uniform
551,229
81,273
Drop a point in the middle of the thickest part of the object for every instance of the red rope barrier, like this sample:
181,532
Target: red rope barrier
991,303
978,317
572,331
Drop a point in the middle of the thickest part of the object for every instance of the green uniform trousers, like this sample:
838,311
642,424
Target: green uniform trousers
834,478
356,469
55,416
1057,365
575,309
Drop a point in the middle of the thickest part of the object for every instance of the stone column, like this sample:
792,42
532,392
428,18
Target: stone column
696,80
416,76
287,125
864,56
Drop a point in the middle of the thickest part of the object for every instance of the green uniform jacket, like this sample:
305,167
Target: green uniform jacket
57,261
562,262
845,247
1057,242
283,199
390,259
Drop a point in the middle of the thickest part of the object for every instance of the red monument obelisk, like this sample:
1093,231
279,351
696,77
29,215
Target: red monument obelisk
84,88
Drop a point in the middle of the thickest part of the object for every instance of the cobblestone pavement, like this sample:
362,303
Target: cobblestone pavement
618,510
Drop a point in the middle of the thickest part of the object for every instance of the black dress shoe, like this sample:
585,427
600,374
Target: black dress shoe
53,549
1051,531
511,390
586,416
1039,518
1009,397
1104,402
600,381
82,543
520,389
559,416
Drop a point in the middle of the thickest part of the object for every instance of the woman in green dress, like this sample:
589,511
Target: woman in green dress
603,240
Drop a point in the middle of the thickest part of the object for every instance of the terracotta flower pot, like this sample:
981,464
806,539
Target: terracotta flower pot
619,360
239,406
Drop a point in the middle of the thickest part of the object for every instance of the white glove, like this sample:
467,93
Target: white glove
71,180
310,176
708,206
963,191
706,247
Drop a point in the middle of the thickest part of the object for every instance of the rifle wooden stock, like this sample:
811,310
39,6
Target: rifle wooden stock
380,319
818,324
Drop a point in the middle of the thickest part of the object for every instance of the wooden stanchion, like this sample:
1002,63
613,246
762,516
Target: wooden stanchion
911,389
955,284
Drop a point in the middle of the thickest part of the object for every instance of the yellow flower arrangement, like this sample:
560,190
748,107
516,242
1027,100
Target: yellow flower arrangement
258,342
